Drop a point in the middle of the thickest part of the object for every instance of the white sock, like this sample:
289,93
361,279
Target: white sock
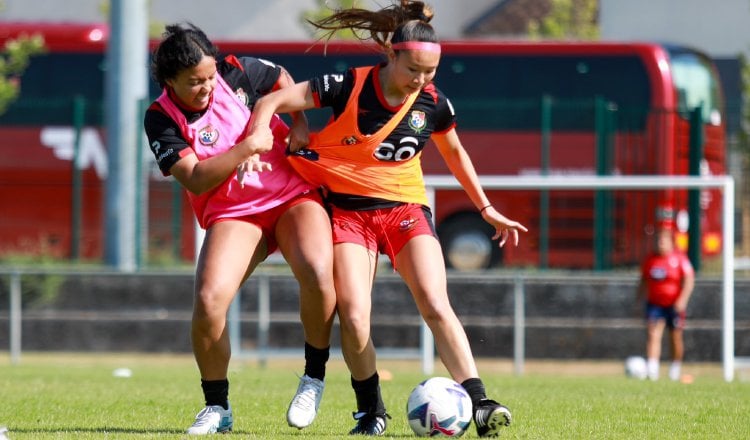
674,370
652,366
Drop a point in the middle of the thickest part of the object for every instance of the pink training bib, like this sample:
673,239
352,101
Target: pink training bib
219,129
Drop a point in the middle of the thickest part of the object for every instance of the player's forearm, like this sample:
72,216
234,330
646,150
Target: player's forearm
287,100
204,175
298,117
460,165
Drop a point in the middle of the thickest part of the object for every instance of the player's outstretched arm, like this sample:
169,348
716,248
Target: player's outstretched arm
459,163
287,100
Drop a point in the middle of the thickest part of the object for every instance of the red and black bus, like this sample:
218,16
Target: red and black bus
524,108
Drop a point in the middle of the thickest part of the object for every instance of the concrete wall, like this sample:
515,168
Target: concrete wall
719,28
574,316
234,19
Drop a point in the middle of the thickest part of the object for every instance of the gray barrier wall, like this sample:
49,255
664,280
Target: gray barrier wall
567,315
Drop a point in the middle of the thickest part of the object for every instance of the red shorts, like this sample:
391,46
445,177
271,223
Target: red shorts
267,220
382,230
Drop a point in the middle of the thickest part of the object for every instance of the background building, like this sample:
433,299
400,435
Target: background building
234,19
719,28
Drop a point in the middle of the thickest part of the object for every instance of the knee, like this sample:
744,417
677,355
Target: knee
434,313
355,325
315,276
211,302
654,332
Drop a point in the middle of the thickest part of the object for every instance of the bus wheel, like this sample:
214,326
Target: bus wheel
467,243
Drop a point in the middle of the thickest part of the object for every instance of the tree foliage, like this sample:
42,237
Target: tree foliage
13,61
324,9
744,132
568,19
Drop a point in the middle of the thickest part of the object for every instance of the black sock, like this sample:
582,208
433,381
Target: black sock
216,392
368,395
315,361
475,388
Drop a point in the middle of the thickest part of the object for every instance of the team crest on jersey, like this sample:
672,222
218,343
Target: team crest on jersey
208,135
349,140
417,120
242,96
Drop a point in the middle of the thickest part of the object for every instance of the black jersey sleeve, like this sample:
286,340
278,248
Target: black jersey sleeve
333,90
255,76
164,138
445,115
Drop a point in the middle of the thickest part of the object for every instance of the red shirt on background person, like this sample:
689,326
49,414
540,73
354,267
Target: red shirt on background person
664,274
666,283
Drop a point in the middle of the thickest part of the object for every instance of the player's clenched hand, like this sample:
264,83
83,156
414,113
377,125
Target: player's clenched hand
257,141
504,227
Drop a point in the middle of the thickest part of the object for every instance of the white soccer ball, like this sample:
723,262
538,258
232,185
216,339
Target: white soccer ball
635,367
439,407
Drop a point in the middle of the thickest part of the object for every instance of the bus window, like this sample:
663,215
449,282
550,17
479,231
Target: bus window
524,80
696,85
55,79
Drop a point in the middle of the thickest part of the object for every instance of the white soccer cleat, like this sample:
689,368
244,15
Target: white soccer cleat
304,406
674,372
212,419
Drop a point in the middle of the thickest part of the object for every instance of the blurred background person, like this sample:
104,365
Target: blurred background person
666,283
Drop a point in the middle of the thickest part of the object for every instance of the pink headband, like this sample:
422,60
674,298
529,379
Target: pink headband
417,45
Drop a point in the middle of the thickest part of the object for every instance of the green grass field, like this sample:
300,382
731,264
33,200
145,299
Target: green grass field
65,396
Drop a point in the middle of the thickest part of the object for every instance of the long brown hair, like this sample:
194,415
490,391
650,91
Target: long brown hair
406,20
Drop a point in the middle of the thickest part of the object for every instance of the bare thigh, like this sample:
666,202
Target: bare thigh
230,252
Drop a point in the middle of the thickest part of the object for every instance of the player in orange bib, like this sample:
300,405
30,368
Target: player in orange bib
367,159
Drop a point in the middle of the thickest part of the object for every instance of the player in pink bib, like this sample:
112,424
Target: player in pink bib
250,201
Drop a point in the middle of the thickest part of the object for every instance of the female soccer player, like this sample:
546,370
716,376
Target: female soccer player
367,159
197,130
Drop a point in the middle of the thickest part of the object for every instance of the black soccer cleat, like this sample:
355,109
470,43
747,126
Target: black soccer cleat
490,417
369,424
